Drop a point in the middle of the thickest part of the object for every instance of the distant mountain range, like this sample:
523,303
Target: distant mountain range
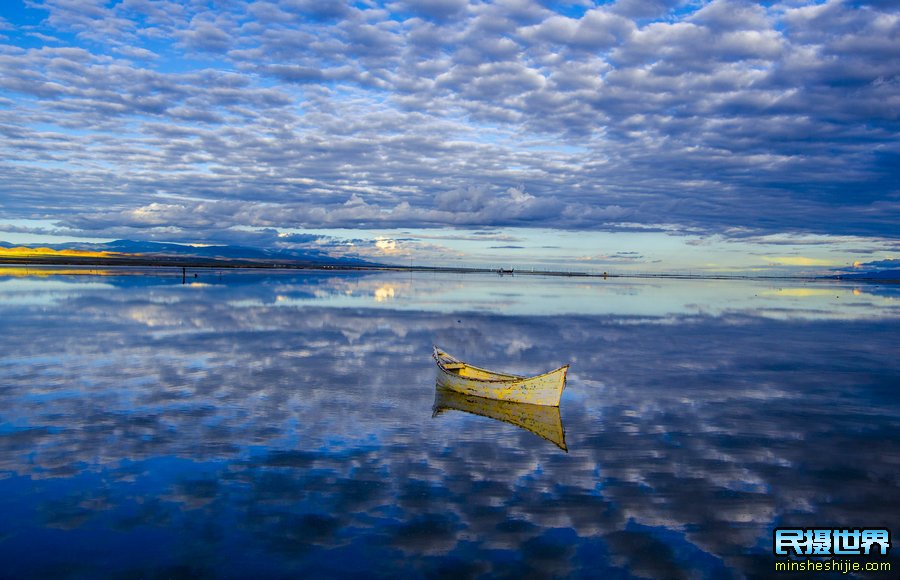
130,249
880,270
873,275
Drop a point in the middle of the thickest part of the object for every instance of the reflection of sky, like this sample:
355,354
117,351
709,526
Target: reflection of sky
521,294
155,429
21,291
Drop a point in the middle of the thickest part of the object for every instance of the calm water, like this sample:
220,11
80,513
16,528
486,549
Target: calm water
278,425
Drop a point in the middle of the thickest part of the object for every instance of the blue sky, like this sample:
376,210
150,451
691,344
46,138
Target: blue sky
644,135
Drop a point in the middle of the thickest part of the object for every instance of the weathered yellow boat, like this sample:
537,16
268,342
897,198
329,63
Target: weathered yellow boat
545,389
542,420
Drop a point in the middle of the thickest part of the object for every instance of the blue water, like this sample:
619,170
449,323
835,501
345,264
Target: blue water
273,425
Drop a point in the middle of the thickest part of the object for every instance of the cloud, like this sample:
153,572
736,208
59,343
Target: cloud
389,247
615,258
438,10
800,261
725,115
889,264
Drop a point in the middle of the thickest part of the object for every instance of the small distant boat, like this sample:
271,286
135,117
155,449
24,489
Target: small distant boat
541,420
545,389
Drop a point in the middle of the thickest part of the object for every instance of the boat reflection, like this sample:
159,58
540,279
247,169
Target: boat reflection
543,421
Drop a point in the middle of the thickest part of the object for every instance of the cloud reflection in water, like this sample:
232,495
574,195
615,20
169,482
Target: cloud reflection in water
222,429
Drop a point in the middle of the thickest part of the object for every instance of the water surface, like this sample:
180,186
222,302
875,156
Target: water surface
281,424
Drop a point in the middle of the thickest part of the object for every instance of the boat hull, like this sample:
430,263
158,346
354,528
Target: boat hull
545,389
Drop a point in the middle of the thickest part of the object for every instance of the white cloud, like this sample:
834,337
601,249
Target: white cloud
717,116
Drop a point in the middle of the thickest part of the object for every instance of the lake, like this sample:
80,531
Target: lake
284,424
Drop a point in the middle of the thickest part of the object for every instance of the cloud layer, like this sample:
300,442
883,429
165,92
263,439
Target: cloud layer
179,120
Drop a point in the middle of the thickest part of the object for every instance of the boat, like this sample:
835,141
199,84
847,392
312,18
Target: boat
454,374
542,420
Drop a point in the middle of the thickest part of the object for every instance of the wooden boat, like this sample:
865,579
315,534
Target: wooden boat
542,420
545,389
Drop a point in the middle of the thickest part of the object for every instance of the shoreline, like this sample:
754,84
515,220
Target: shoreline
195,264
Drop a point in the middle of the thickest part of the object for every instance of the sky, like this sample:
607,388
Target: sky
631,135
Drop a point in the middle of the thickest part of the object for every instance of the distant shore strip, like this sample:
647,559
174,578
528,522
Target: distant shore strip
234,264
